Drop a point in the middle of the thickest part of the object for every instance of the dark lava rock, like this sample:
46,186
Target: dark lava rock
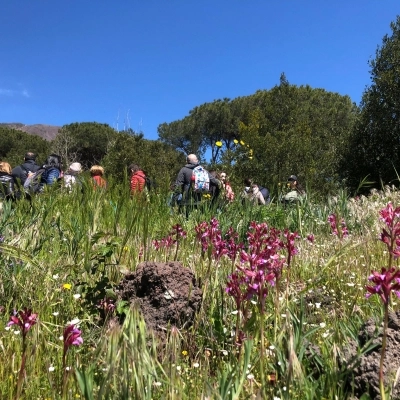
364,376
166,294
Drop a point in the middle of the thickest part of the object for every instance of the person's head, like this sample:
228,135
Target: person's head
292,181
223,176
54,160
30,156
192,159
5,167
247,184
133,168
75,168
96,170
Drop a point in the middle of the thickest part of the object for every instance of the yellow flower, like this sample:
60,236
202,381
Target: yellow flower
126,248
250,158
251,152
235,141
242,143
67,286
184,353
218,144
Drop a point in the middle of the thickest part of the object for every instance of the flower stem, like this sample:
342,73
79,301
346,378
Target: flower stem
383,349
22,369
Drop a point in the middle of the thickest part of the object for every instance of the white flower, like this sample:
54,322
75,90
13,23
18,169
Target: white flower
7,328
317,305
250,377
17,332
157,383
224,352
325,335
234,312
350,284
77,296
322,324
51,368
55,277
196,365
272,347
68,368
55,313
178,367
75,321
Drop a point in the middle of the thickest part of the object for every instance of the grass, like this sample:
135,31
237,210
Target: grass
87,240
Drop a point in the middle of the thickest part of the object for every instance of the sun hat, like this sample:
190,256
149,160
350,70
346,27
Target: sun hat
75,167
292,178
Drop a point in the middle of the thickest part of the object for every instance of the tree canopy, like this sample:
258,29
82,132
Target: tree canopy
374,148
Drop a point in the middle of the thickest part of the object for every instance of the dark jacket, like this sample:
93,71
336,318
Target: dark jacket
7,186
184,181
20,173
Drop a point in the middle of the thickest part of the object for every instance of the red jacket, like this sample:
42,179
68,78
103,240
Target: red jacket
138,182
99,181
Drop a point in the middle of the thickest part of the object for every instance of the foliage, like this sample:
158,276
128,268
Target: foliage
374,149
14,144
271,134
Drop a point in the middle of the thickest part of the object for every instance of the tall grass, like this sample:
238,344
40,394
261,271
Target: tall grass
63,252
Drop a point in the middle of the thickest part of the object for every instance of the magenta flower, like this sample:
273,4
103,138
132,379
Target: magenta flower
311,238
385,282
72,337
24,319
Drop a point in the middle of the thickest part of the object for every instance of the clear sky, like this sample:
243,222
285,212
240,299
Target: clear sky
139,63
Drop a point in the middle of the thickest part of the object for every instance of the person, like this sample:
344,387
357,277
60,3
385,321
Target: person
252,192
229,195
29,166
296,190
71,175
7,182
215,190
185,185
52,170
97,173
138,179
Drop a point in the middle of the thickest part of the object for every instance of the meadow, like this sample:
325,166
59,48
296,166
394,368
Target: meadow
284,290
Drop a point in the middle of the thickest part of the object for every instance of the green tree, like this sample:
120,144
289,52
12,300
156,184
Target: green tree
86,142
14,144
374,150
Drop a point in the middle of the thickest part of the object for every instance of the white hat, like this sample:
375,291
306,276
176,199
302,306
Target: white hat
75,167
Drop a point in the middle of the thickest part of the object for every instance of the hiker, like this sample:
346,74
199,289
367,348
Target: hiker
228,193
215,190
97,173
52,170
7,182
71,175
192,182
29,166
138,179
296,192
252,193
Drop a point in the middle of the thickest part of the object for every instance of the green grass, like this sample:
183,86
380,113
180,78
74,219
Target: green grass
87,240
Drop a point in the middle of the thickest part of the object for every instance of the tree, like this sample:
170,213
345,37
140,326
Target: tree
374,150
14,144
86,142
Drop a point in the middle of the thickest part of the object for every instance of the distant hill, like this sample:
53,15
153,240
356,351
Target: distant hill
48,132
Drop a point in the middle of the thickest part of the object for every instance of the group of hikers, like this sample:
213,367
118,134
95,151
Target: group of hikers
192,184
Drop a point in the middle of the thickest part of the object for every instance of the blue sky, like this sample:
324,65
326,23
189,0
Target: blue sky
138,64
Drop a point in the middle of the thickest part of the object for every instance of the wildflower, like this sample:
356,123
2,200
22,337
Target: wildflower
218,144
67,286
250,377
322,324
184,353
241,142
235,141
51,368
24,319
55,277
385,282
310,238
196,365
77,296
72,336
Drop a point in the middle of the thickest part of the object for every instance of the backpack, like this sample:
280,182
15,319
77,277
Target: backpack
201,180
33,183
265,192
149,184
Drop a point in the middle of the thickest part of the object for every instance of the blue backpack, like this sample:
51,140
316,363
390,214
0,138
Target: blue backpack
265,192
201,180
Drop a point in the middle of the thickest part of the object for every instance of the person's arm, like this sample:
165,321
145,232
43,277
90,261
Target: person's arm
260,198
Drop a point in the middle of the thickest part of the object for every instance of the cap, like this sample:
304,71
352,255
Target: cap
75,167
292,178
